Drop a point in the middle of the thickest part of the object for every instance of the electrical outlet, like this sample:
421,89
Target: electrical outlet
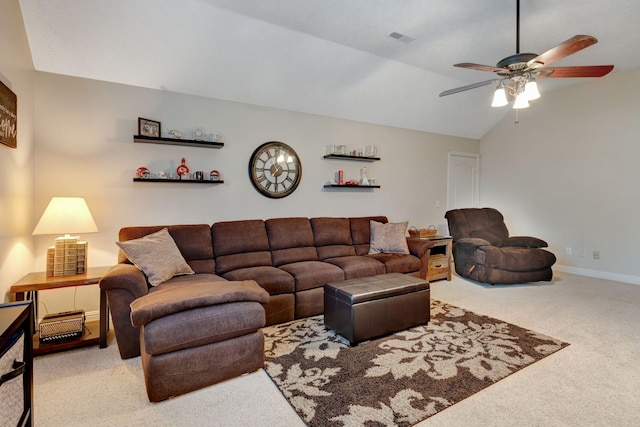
583,253
567,251
596,254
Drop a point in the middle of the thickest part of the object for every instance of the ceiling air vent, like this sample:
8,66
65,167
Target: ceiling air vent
401,37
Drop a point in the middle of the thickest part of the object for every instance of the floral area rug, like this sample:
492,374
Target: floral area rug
401,379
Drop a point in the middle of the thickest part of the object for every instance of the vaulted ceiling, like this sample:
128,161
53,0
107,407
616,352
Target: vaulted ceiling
328,57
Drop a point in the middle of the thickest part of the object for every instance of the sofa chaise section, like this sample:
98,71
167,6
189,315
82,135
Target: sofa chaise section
124,282
195,335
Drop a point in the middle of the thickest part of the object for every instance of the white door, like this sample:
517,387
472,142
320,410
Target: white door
463,180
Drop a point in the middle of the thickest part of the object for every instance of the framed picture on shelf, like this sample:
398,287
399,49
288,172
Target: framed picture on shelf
148,127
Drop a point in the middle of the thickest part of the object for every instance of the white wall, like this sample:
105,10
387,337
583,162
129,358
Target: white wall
16,164
568,173
85,148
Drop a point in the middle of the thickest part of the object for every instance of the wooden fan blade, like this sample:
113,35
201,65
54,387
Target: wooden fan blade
566,48
467,87
479,67
583,71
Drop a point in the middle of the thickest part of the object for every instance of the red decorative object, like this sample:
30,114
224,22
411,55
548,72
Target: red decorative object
183,169
142,172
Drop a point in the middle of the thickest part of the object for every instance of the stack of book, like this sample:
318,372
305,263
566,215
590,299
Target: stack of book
67,257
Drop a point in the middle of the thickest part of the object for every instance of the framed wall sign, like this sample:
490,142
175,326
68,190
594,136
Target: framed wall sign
8,116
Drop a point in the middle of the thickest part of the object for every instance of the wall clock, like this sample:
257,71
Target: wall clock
275,169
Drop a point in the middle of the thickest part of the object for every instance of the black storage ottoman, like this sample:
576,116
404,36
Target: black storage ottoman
370,307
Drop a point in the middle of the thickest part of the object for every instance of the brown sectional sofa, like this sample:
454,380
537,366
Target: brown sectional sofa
290,258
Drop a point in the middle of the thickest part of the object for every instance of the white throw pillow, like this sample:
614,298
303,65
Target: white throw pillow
157,256
388,238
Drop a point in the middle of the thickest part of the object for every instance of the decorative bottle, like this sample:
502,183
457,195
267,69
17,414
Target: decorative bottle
363,176
183,169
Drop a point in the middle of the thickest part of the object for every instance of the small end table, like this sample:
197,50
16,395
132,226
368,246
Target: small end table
440,257
39,281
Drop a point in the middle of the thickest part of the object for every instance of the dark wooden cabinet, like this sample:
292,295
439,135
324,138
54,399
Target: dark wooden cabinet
16,366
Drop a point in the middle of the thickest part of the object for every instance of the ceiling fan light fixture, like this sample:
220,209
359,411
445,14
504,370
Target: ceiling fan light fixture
531,90
521,102
499,97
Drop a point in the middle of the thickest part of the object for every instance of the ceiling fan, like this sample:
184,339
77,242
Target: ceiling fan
517,73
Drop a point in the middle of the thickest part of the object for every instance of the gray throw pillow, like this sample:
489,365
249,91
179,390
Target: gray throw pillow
157,256
388,238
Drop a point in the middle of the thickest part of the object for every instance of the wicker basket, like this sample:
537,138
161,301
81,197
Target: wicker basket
423,232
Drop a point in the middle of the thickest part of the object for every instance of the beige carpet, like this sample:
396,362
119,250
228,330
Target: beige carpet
593,382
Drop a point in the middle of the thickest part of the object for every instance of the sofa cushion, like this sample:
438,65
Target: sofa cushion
157,256
388,238
186,296
514,259
361,232
484,223
272,279
201,326
232,237
358,266
227,263
398,263
332,237
313,274
193,240
288,256
290,240
239,244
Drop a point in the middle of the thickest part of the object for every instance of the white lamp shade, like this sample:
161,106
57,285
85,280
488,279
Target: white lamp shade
521,102
65,215
499,98
531,90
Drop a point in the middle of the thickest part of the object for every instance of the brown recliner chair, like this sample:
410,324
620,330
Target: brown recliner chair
483,250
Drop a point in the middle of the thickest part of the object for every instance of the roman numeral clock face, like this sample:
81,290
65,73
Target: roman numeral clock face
275,169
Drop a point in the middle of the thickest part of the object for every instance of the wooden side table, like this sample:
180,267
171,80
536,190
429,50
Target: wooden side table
34,282
440,258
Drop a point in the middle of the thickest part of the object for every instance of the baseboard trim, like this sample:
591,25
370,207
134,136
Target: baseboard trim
634,280
91,316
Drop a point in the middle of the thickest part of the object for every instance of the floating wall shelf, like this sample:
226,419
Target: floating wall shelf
349,157
176,141
181,181
350,186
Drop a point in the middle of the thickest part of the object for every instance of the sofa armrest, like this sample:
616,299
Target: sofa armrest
167,301
123,283
525,242
421,249
127,277
472,242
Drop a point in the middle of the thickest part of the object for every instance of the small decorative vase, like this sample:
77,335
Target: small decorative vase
183,169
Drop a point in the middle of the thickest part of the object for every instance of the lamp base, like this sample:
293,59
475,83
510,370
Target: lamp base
67,257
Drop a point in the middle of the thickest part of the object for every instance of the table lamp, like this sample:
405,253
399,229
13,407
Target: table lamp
66,215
